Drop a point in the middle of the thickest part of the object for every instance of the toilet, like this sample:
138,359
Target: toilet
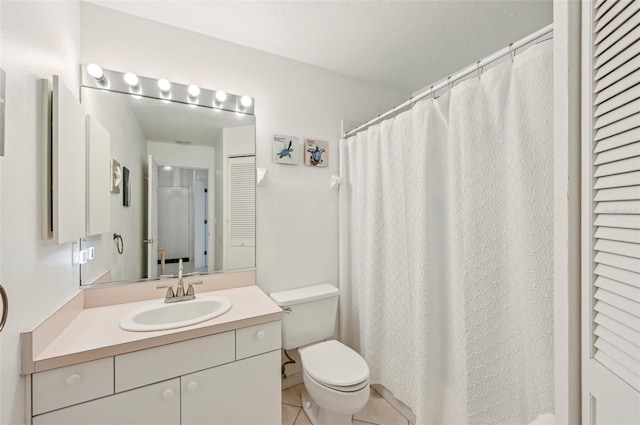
336,378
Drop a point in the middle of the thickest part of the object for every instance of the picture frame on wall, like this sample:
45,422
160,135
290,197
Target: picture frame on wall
285,150
116,176
126,188
316,153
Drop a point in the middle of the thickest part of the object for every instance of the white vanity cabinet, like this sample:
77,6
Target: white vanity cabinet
154,404
227,378
221,396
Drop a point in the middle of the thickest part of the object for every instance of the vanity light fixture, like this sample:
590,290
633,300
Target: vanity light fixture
193,90
93,76
95,71
131,79
164,85
221,96
246,101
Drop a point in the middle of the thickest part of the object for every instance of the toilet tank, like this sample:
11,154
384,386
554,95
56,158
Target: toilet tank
310,314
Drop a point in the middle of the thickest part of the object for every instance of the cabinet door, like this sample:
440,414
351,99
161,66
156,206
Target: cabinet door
154,404
243,392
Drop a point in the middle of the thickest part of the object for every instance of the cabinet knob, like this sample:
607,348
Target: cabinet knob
192,387
73,379
260,335
167,394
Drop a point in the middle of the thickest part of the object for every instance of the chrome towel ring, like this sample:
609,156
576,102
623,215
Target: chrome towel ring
5,307
119,243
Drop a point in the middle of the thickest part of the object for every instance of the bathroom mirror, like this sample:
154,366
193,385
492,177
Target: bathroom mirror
183,187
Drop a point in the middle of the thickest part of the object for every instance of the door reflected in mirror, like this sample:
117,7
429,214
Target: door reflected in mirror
190,188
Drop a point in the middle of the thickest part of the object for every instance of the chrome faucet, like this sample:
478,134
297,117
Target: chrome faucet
180,289
179,295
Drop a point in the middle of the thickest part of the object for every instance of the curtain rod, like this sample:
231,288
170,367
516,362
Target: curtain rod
449,81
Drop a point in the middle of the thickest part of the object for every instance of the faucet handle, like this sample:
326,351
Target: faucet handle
190,290
169,287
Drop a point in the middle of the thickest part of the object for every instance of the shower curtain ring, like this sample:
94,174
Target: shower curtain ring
449,83
479,68
433,95
512,52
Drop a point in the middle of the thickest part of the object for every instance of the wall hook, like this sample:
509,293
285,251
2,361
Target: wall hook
335,181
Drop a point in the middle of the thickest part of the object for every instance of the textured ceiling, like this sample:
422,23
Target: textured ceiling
402,44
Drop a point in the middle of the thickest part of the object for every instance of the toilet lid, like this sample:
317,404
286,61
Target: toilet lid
334,363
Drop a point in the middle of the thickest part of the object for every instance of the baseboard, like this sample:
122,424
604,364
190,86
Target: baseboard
397,404
292,380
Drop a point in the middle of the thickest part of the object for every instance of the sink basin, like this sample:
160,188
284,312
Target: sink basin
159,317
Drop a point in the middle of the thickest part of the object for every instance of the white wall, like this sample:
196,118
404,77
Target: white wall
37,41
129,148
297,212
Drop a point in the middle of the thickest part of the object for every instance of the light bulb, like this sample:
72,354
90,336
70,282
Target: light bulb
131,79
164,85
221,96
194,90
245,101
95,71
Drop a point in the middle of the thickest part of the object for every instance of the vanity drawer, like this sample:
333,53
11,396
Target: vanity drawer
69,385
258,339
168,361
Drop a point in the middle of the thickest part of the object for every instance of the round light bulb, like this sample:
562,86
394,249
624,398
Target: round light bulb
131,79
221,96
95,71
164,85
194,90
245,101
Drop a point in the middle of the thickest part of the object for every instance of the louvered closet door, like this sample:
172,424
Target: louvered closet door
611,172
242,212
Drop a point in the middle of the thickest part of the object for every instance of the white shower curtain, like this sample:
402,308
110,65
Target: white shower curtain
446,226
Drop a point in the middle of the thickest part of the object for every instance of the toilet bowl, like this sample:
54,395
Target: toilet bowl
336,380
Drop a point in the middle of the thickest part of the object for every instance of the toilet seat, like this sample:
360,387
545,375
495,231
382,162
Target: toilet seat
336,366
342,389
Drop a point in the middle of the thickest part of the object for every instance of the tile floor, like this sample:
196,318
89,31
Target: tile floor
377,411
